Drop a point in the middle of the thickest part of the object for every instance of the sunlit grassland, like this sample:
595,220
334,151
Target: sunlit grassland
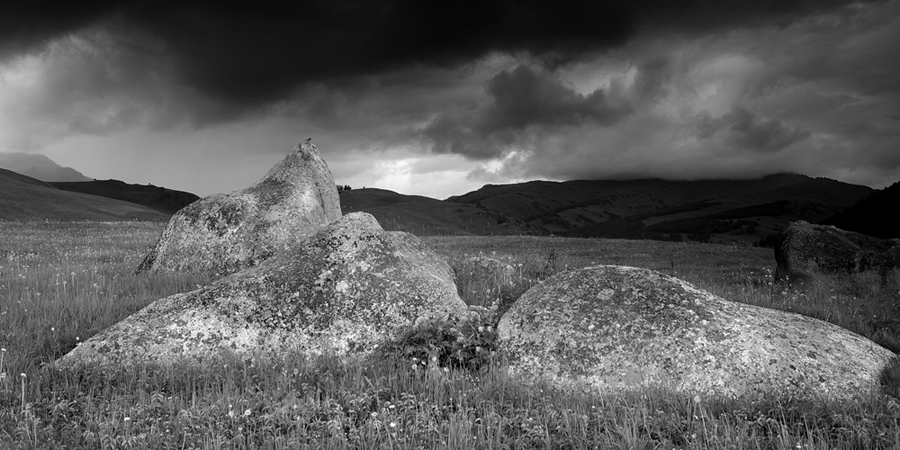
63,282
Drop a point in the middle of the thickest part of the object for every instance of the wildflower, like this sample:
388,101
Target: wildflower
393,424
247,413
697,399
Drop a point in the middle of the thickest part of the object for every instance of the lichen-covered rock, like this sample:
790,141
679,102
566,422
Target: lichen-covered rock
224,233
612,329
342,291
804,250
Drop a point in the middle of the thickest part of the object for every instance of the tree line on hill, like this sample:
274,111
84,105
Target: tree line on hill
872,215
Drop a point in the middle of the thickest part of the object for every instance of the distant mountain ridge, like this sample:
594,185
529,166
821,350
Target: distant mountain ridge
26,198
427,216
748,211
26,166
705,210
39,167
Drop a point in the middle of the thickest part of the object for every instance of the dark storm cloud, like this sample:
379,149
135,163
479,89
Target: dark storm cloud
25,25
744,129
249,54
523,97
519,98
682,88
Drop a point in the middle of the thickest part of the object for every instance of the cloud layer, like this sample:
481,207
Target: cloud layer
402,92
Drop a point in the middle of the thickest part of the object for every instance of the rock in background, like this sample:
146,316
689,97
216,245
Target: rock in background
613,329
224,233
342,291
487,271
804,250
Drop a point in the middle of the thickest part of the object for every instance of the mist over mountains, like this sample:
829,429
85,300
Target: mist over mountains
39,167
746,211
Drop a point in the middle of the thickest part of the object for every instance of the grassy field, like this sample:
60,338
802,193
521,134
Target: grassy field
63,282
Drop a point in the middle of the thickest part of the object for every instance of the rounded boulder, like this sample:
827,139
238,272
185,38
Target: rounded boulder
613,329
804,250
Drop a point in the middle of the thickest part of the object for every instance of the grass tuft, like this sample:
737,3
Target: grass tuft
438,386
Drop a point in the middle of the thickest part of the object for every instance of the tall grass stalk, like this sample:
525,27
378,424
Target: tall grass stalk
62,282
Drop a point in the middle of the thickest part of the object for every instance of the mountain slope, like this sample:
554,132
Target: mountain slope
718,210
25,198
427,216
40,167
873,215
164,200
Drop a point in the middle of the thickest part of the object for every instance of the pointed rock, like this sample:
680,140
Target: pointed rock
611,329
342,291
224,233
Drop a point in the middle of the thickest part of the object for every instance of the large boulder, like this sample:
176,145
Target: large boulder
342,291
804,250
224,233
611,329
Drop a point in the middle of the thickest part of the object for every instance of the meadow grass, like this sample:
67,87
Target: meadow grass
63,282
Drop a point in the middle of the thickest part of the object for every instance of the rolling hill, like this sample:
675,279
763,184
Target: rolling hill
26,198
705,210
427,216
164,200
744,211
873,215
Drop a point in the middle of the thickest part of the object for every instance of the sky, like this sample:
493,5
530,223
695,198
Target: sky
440,98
